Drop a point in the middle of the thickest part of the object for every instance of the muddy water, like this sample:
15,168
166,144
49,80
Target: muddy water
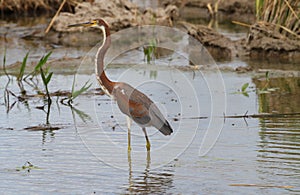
88,154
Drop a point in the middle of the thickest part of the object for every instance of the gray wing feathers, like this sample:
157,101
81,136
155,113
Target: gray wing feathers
159,121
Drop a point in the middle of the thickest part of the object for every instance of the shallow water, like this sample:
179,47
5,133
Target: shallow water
78,158
88,154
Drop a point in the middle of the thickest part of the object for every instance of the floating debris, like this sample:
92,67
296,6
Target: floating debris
42,128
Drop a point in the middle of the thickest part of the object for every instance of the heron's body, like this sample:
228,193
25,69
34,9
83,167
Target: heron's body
140,108
135,104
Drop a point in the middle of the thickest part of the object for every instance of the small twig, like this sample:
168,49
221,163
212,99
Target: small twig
263,115
260,186
195,117
266,115
55,16
245,115
245,121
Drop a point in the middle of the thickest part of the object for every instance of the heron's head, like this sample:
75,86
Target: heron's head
97,23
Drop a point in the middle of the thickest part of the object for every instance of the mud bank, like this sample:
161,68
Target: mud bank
261,42
241,10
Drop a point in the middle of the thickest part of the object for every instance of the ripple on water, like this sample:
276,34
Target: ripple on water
279,150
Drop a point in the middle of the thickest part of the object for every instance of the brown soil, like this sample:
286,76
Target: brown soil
119,14
262,41
241,10
219,46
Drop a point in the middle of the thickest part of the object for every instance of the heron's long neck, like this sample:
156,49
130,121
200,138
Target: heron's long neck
106,84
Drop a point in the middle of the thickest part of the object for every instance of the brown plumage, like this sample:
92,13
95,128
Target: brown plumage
140,108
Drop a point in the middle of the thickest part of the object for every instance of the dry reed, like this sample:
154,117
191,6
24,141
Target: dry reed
284,14
21,7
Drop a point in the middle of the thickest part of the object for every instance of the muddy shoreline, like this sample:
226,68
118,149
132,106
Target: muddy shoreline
260,43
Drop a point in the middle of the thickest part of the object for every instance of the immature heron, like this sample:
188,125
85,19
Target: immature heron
136,105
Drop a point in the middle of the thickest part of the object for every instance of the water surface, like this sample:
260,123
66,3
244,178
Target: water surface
88,154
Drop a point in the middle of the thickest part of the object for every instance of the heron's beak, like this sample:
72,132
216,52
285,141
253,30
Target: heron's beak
85,24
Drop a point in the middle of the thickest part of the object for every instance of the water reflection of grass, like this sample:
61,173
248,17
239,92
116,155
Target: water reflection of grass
264,89
284,100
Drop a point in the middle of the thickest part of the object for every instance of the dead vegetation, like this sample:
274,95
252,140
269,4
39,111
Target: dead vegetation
276,31
32,7
282,14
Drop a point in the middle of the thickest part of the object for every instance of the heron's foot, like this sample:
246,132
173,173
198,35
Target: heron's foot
148,145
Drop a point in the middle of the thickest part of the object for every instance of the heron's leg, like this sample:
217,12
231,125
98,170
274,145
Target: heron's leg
128,127
147,140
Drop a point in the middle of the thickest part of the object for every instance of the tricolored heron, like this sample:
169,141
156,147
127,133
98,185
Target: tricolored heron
135,104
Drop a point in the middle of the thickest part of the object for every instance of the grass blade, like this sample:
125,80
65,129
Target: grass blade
49,77
4,64
244,87
22,69
84,88
43,75
42,61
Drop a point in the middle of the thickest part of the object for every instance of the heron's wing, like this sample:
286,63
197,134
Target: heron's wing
140,108
158,120
144,110
139,105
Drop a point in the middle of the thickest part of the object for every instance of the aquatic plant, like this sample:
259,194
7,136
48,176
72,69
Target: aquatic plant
149,51
41,73
6,92
245,89
266,88
21,74
39,65
28,166
46,78
22,68
4,64
76,93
